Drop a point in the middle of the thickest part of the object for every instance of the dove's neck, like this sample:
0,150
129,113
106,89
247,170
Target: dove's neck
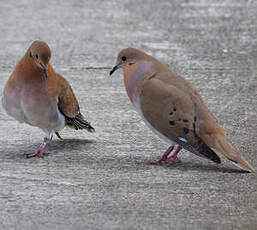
132,76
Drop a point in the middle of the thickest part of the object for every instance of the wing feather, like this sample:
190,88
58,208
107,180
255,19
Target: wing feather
175,114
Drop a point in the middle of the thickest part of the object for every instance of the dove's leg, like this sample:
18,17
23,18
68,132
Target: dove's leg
58,135
175,154
39,151
165,155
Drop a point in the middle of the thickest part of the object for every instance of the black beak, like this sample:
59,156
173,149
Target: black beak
44,69
114,69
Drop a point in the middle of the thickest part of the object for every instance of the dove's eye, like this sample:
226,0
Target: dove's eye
123,58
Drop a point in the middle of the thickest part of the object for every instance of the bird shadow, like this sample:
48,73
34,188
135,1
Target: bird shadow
69,144
141,163
55,145
191,166
133,162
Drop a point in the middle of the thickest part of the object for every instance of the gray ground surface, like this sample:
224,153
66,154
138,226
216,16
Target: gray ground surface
105,180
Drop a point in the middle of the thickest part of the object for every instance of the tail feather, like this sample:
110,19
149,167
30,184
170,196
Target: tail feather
202,150
224,146
207,152
79,122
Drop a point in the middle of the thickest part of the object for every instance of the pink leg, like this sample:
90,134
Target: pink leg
39,151
165,155
175,154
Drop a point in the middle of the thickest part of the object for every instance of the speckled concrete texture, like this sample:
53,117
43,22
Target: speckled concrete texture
106,180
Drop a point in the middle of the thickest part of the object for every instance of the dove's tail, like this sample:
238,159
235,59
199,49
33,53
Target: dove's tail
222,144
79,122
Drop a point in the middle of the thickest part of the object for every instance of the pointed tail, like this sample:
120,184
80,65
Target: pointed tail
224,146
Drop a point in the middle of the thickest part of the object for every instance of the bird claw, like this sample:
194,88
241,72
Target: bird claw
34,154
167,160
40,149
159,160
173,160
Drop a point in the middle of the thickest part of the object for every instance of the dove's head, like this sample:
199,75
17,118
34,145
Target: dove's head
40,53
135,64
128,58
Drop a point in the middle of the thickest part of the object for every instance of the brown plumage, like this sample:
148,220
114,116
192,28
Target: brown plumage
38,96
69,107
173,108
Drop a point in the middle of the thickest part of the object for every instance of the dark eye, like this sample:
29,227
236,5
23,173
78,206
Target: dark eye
123,58
36,56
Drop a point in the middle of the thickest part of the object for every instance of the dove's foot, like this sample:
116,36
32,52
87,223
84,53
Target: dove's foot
165,157
39,151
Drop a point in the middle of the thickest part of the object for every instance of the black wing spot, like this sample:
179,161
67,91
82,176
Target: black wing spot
185,120
195,134
174,109
195,118
171,113
186,130
172,123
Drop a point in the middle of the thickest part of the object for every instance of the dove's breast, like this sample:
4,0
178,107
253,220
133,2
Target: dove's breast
137,106
11,103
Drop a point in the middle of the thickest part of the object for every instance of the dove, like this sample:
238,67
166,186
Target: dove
36,95
174,110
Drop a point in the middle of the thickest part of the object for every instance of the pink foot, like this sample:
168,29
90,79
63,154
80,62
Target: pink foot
39,151
34,154
165,157
175,154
